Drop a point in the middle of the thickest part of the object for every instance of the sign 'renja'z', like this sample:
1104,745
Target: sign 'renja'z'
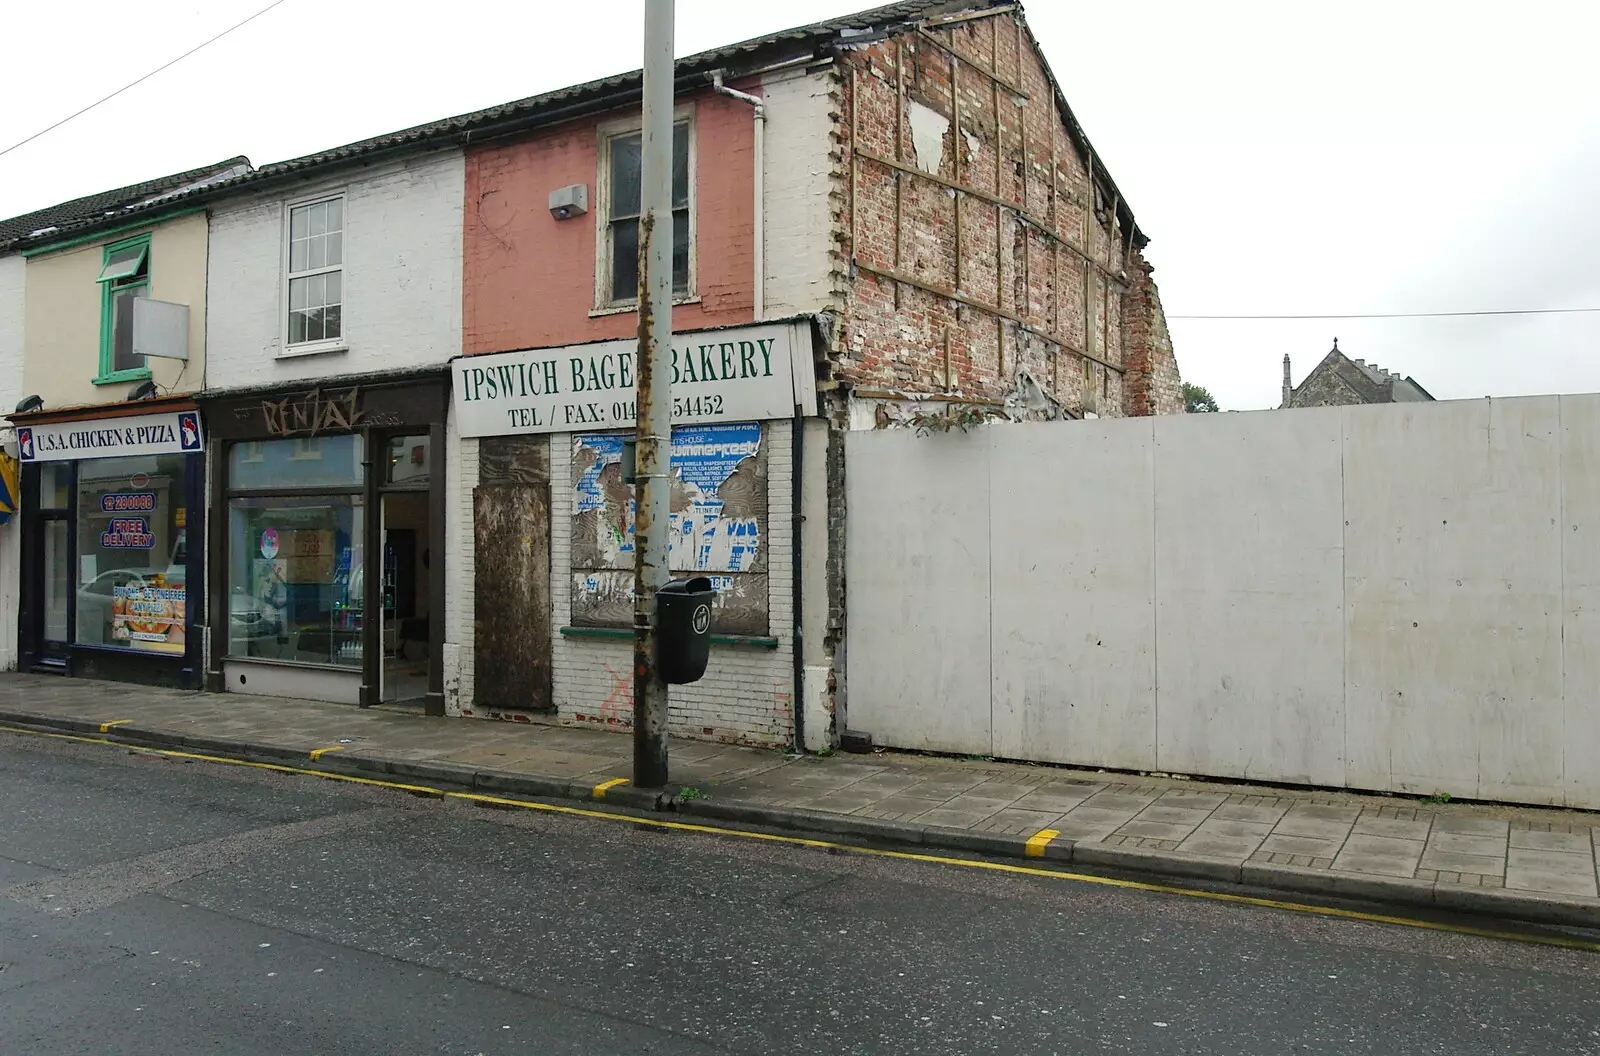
313,413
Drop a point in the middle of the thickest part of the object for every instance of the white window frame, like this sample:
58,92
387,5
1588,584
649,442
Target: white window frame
606,132
334,344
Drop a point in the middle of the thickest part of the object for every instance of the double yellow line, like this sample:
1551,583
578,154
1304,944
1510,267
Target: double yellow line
1041,839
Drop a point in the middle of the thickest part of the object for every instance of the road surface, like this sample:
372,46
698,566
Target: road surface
151,905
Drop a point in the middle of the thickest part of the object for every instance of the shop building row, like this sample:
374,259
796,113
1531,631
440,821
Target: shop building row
348,427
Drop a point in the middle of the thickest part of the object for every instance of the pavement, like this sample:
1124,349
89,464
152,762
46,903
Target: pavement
153,904
1504,861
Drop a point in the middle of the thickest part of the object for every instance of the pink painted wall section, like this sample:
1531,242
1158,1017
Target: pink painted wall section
529,279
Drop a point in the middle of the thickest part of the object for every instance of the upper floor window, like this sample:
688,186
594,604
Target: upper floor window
620,158
316,274
124,277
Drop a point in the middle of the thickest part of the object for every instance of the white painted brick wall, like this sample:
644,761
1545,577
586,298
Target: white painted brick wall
460,539
402,280
747,694
798,219
12,270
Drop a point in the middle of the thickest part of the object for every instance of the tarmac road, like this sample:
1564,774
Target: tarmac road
158,906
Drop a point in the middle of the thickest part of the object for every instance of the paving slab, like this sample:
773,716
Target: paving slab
1373,824
1472,826
1176,832
1021,822
1299,846
1572,874
1226,838
1256,813
1465,843
1379,855
1568,842
1314,826
1454,862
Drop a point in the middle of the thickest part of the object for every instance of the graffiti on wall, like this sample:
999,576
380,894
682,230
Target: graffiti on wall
313,413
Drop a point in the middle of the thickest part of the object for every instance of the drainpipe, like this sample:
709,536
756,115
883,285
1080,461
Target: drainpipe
797,521
760,107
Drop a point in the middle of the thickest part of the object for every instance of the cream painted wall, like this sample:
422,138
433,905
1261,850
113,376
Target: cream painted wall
12,271
61,335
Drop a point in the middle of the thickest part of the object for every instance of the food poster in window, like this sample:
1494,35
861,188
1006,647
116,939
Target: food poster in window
133,558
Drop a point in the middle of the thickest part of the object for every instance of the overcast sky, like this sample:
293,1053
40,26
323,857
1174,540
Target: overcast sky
1398,156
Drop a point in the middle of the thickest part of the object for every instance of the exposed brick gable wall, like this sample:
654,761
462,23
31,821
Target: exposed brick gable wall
1011,257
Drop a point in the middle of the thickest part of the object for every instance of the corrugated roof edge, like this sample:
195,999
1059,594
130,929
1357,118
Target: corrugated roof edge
575,101
80,213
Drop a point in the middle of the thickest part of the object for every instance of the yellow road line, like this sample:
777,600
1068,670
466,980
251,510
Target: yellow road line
1039,841
105,727
1334,912
600,789
317,753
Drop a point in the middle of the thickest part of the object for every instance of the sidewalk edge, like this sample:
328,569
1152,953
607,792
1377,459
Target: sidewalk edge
1498,903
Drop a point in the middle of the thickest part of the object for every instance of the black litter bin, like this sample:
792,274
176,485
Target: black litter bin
683,629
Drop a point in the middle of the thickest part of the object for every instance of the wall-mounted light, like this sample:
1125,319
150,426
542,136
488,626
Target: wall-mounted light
145,390
30,404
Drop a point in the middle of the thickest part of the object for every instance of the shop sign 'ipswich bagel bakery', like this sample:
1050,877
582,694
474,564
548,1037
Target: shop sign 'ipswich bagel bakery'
748,373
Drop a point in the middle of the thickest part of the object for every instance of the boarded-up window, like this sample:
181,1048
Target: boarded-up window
511,528
718,524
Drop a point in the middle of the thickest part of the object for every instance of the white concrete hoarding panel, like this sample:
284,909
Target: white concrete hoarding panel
918,607
1248,571
1580,564
1073,619
1453,598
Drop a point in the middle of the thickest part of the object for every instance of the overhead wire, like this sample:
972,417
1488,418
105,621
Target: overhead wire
141,80
1400,315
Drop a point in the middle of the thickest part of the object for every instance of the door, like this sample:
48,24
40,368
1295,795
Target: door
403,599
47,562
55,598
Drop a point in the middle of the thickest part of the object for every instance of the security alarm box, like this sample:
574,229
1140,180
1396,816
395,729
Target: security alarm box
568,202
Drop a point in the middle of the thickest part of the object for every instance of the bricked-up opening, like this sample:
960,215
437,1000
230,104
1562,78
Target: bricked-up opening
985,237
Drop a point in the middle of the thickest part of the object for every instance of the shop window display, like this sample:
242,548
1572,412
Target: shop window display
132,520
295,575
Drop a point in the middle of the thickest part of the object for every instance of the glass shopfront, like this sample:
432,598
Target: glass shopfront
133,554
328,526
110,585
296,583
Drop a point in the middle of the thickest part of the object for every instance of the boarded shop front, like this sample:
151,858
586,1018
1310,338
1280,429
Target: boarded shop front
735,396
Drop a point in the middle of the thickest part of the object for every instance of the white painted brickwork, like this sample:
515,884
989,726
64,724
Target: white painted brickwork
461,462
799,178
402,276
746,695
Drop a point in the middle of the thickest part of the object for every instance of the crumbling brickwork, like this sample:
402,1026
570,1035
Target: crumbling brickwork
983,238
1153,384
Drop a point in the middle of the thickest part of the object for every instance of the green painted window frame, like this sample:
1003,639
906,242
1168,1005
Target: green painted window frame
108,287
